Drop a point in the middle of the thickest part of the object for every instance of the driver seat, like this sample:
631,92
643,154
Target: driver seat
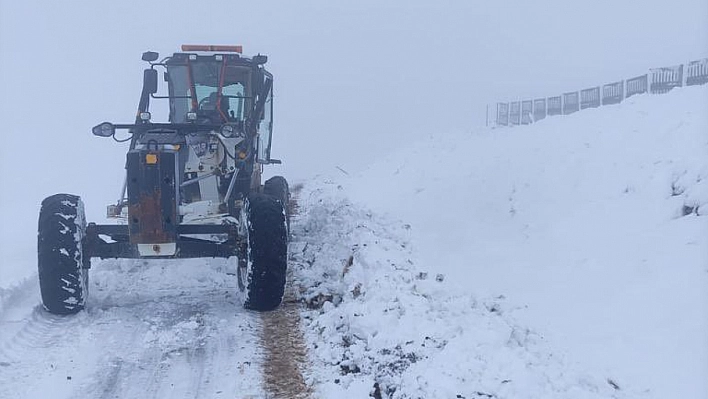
208,108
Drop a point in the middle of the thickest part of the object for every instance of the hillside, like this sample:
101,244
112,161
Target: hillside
591,226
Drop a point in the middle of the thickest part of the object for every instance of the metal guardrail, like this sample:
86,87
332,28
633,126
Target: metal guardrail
526,110
555,106
515,113
502,114
665,79
590,98
570,103
697,72
539,109
657,81
637,85
613,93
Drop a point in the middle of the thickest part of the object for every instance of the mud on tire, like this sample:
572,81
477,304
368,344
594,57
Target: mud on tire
63,272
267,252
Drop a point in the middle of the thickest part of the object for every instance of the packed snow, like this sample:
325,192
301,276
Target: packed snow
157,329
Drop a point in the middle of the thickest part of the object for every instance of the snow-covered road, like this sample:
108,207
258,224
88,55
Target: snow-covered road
152,330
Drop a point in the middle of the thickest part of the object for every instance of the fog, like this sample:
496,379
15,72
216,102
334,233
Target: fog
353,81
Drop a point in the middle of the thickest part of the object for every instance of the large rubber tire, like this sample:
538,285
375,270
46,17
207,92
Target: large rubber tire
63,273
267,252
277,187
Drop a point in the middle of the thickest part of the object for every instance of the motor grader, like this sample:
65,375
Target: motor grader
192,185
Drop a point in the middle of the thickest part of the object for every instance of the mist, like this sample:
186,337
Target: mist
353,81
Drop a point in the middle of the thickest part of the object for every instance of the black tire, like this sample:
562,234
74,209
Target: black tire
267,252
63,272
278,187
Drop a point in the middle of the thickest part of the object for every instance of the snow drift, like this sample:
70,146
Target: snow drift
379,325
575,253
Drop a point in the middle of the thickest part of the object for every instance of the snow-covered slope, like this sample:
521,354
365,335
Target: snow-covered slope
381,322
592,226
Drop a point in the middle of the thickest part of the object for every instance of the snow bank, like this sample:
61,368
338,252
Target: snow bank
15,289
18,262
592,224
379,324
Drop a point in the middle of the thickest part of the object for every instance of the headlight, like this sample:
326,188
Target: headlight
230,130
145,116
105,129
191,116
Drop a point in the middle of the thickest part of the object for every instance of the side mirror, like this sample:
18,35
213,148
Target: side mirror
150,81
260,59
105,129
150,56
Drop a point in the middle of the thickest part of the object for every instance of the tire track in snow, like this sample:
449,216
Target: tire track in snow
37,330
282,337
285,350
151,330
195,347
159,329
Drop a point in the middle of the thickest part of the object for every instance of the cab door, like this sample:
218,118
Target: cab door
265,127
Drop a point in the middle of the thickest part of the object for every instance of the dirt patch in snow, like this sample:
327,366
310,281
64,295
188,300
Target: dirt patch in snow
285,351
283,341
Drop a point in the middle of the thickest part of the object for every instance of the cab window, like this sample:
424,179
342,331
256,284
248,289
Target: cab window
265,130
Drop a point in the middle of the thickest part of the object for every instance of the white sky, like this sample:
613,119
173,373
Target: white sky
353,79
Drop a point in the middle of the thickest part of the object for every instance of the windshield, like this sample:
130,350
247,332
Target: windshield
214,95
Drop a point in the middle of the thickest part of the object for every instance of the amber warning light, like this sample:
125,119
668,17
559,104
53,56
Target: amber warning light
205,47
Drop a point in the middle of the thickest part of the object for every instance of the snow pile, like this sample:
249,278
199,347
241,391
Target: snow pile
7,294
588,228
382,326
592,224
